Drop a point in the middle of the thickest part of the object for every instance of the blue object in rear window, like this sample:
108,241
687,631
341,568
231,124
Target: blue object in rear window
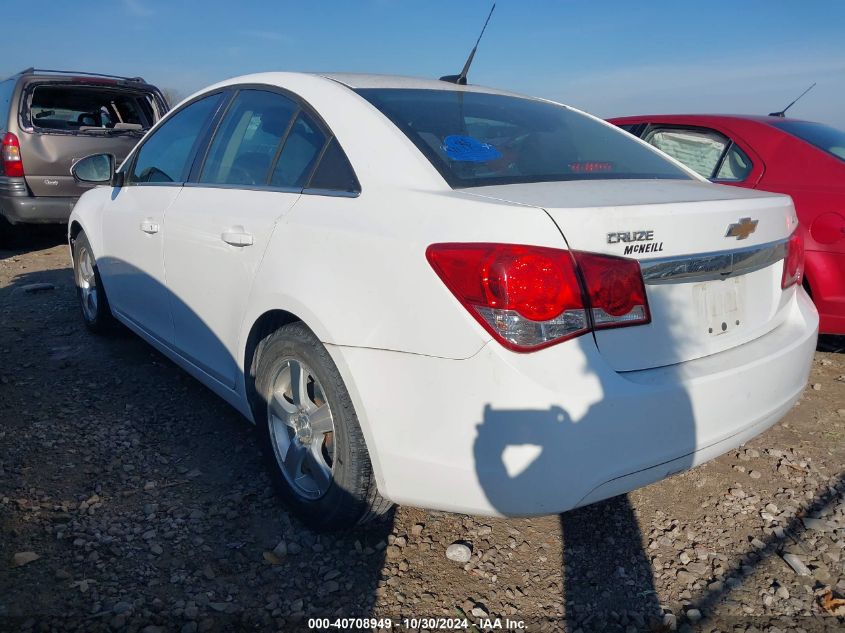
469,150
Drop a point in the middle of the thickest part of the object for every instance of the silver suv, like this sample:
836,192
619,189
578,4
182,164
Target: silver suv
49,119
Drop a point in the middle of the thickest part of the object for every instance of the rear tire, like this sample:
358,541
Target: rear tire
310,435
93,303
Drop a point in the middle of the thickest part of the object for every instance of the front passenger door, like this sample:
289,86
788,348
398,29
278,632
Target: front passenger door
132,265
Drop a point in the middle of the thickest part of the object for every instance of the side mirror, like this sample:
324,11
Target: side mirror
97,169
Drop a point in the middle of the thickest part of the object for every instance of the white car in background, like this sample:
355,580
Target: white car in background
446,296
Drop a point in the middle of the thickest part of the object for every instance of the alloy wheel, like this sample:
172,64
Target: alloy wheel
301,428
86,281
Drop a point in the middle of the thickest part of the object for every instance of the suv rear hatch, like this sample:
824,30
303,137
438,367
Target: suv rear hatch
63,120
713,278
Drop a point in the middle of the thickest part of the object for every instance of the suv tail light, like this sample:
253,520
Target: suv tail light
793,263
11,156
530,297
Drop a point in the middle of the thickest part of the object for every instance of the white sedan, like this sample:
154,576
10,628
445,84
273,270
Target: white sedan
446,296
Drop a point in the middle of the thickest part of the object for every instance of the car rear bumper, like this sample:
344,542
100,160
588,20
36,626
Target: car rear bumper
826,274
19,209
520,434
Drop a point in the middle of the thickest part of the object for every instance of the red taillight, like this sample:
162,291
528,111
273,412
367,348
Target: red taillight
529,297
615,290
539,284
11,156
793,263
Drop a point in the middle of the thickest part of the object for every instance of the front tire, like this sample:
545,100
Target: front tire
93,302
310,434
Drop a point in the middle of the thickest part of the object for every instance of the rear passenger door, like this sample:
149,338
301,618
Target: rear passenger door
707,151
253,171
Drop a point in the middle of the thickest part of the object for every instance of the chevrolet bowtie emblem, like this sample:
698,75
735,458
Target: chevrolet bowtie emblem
742,229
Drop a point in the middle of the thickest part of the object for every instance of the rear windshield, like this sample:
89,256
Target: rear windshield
826,138
75,108
476,139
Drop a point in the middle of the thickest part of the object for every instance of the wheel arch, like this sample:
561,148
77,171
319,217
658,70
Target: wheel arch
74,230
267,323
271,320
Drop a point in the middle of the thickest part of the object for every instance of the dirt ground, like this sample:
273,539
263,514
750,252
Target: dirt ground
143,497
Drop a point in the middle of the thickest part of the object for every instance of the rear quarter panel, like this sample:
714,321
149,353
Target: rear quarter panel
355,270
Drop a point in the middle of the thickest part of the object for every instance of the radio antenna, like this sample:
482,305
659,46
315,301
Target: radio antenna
782,113
461,78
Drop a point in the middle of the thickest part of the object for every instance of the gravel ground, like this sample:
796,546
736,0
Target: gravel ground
131,498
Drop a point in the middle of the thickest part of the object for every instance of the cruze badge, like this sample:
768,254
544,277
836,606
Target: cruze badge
742,229
630,237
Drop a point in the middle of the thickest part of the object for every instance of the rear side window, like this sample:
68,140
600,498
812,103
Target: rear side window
167,154
475,139
334,171
300,153
736,165
248,139
700,150
826,138
75,108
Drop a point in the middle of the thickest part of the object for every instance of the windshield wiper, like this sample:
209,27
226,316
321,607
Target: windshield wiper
112,131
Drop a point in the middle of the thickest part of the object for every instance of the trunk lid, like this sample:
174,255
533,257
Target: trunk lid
707,292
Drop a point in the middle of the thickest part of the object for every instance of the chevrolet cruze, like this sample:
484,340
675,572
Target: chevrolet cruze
444,295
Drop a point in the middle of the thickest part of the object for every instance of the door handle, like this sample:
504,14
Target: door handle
237,237
149,227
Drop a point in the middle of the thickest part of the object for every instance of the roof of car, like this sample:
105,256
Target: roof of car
73,75
299,81
704,117
362,80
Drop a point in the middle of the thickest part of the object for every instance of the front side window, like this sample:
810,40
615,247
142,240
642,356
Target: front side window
246,144
476,139
166,156
699,149
826,138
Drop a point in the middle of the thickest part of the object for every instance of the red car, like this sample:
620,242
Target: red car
803,159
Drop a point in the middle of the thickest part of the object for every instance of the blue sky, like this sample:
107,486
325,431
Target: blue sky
610,58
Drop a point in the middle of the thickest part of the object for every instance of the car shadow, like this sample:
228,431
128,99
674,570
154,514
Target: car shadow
217,472
831,343
25,238
583,461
